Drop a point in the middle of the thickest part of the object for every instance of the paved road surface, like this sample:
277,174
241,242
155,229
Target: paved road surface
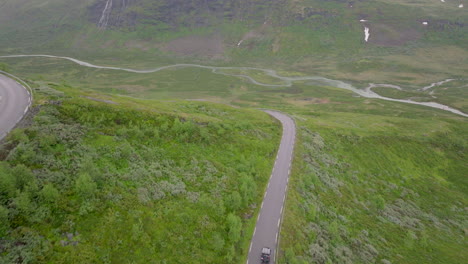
14,102
268,223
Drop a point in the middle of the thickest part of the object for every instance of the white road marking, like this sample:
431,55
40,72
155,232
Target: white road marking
279,220
255,230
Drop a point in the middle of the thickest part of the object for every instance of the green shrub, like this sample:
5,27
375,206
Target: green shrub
85,186
4,220
234,227
49,194
248,189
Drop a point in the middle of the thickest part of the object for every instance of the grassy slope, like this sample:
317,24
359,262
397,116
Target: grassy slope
193,83
321,37
371,174
383,181
140,181
369,146
369,188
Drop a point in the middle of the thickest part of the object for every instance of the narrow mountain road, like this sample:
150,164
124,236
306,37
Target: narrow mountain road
14,103
266,233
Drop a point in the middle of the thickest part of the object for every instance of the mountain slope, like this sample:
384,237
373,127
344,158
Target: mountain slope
291,29
93,178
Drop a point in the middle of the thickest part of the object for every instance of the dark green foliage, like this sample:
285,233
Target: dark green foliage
85,186
373,197
248,189
4,221
88,182
50,195
23,204
28,247
234,226
23,176
233,201
7,183
3,67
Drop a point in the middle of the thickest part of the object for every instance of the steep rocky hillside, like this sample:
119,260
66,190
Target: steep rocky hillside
173,14
363,41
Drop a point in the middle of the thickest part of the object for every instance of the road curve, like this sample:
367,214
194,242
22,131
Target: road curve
15,100
266,232
287,81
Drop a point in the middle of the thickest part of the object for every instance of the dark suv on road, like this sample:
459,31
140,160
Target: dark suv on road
266,252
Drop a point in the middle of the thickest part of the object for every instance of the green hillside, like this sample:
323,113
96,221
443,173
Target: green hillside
114,166
368,189
373,181
320,37
99,179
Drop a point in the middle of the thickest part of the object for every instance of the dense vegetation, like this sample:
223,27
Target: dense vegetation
90,177
364,194
93,182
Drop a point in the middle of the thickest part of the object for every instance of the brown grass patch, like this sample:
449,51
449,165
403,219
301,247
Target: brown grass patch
308,101
204,46
386,35
140,45
276,45
132,88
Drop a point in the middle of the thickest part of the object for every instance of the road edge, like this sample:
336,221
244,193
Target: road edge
275,260
280,223
30,100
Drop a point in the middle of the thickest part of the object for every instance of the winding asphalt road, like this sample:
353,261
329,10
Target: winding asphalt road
287,81
14,103
15,100
266,233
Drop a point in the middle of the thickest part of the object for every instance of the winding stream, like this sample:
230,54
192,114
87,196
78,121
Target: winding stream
287,81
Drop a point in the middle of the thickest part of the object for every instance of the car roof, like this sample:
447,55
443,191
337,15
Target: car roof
266,250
